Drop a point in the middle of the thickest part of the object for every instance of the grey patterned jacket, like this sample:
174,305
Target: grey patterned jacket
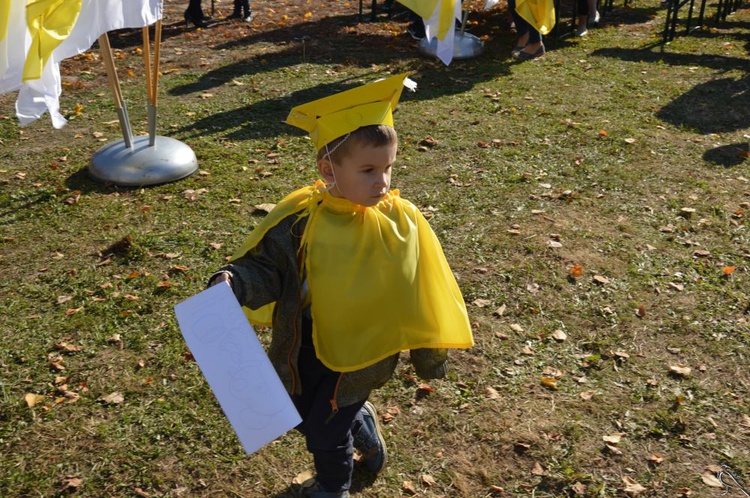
270,272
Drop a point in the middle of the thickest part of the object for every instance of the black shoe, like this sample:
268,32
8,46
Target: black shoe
192,18
416,31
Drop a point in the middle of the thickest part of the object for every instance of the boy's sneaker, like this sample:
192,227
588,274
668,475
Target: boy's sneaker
248,17
316,492
369,440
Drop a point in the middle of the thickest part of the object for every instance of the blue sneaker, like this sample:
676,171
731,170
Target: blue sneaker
317,493
369,440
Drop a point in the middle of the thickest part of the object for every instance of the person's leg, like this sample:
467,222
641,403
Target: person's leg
237,11
582,6
247,14
328,434
534,48
194,13
522,28
592,11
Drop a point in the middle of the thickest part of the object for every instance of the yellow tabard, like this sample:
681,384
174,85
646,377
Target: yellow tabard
379,281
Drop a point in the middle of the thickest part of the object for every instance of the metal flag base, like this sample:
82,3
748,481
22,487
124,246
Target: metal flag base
168,160
465,46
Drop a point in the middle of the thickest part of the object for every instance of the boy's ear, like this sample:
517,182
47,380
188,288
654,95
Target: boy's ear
325,168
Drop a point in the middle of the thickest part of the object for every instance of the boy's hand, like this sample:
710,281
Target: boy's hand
221,277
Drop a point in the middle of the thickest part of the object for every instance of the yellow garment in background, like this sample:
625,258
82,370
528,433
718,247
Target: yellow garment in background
4,18
49,22
539,13
379,281
426,8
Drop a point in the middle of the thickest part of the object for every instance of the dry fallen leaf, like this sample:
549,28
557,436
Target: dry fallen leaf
655,458
549,383
32,399
428,480
481,303
114,398
576,271
680,370
266,207
305,477
613,449
559,335
537,470
709,479
408,487
68,348
71,483
601,280
492,393
613,438
578,488
632,488
641,311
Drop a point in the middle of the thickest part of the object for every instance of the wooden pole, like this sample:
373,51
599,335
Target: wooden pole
109,64
157,55
122,111
147,63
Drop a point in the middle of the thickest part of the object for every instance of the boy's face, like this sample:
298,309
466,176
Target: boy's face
362,176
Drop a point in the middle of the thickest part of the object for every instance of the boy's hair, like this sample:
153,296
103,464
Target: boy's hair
371,135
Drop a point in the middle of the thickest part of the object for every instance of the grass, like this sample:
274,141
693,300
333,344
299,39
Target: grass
587,157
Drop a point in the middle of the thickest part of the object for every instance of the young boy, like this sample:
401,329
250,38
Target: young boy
348,274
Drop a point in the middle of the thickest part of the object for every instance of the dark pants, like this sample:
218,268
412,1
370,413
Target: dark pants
582,7
194,9
328,434
523,27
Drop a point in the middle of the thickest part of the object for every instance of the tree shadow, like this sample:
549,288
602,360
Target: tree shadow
321,42
717,106
649,54
728,155
331,40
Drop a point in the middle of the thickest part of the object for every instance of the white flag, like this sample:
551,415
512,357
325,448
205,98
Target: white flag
439,22
35,35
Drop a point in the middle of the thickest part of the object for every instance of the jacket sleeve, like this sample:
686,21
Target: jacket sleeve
259,275
430,363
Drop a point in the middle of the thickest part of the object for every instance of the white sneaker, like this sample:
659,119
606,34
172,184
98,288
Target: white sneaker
248,18
596,17
582,31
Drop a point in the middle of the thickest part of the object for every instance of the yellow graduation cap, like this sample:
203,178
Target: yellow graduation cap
332,117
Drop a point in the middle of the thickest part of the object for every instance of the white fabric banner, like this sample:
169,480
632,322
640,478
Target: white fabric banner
35,35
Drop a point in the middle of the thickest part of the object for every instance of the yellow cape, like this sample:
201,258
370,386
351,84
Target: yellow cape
538,13
379,281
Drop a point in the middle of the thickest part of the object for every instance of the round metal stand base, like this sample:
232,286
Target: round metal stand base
465,46
168,160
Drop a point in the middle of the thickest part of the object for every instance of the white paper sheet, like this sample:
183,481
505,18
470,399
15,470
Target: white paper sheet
236,367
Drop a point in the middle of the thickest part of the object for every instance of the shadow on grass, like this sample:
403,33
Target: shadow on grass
322,42
716,106
728,155
713,107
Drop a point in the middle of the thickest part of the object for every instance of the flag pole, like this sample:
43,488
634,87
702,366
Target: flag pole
154,83
122,111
